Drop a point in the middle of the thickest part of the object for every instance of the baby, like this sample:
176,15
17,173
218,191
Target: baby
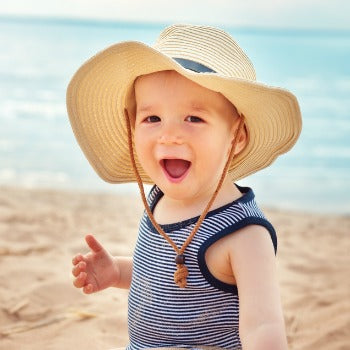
188,116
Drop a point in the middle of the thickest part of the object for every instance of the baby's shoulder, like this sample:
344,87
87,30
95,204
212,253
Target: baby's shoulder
246,237
228,257
251,246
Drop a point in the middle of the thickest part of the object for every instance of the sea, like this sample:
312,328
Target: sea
38,57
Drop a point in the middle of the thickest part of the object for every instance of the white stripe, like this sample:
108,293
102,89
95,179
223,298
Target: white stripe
160,313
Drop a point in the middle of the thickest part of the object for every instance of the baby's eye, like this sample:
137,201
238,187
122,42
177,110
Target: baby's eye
194,119
152,119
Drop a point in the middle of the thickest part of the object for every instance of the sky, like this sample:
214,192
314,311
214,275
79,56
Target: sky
306,14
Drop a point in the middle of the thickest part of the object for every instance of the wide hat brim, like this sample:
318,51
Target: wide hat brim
97,96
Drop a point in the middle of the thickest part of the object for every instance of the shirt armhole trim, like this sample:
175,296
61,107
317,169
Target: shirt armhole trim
230,288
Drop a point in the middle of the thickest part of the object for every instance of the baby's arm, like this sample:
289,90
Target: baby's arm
253,263
99,270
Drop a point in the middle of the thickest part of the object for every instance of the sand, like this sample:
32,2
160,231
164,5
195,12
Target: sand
40,231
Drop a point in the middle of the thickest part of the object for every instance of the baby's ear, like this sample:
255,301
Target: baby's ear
242,140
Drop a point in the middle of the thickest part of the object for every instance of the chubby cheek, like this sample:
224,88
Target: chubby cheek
217,145
137,142
143,149
214,156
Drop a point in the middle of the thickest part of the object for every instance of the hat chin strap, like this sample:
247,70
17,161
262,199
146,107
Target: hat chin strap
181,273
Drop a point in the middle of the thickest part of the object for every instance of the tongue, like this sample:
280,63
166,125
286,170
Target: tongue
176,167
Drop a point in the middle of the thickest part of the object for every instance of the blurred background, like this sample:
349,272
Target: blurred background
303,46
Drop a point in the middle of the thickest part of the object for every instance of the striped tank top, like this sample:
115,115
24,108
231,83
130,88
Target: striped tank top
206,312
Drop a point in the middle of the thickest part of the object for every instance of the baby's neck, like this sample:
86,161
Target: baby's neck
169,210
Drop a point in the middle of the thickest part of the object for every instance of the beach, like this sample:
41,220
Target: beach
41,230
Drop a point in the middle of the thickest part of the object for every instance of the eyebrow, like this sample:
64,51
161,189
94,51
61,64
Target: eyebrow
145,108
198,107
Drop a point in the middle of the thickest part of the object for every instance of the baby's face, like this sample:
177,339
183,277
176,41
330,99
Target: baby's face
183,134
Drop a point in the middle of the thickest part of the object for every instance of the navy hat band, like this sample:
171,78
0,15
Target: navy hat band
193,65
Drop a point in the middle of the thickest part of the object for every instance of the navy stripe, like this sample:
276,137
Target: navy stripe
206,312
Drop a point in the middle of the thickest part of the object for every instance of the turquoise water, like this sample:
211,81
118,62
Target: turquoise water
37,147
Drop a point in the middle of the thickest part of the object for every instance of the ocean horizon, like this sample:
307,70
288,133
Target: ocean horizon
38,148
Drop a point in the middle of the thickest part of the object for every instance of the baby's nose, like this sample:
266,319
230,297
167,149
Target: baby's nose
171,135
170,139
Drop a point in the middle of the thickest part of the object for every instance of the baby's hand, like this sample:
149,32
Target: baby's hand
96,270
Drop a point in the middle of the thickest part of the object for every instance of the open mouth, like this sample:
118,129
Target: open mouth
175,169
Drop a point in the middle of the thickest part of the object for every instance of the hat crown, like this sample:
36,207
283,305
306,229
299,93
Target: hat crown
208,46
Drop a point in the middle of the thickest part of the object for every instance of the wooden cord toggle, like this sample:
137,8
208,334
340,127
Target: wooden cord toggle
180,259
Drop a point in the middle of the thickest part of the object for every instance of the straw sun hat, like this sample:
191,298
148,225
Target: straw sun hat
103,87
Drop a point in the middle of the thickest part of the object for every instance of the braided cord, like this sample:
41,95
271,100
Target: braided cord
182,272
